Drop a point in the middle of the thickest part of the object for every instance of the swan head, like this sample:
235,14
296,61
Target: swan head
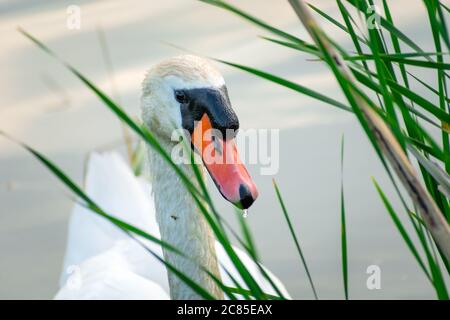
187,92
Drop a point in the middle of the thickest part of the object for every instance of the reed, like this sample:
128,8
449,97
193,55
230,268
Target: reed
400,122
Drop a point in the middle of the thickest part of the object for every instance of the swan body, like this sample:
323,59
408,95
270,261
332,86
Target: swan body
102,262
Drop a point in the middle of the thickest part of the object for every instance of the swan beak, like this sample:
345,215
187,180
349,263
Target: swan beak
221,158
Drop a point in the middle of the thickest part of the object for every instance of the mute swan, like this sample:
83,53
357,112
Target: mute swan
101,261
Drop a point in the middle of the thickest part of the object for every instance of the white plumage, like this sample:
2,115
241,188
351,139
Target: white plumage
102,262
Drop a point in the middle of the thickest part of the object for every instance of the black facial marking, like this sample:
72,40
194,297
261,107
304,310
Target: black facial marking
214,102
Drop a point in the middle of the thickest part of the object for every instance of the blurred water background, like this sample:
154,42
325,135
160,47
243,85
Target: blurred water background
44,105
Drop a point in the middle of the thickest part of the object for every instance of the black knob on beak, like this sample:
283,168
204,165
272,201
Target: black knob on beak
246,196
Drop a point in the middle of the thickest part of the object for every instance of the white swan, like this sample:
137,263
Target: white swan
101,261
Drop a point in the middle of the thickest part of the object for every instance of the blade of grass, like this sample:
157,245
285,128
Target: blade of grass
426,85
250,248
441,177
250,245
244,291
442,86
400,227
443,26
293,45
294,237
376,46
192,284
254,20
114,92
343,227
402,58
435,276
335,22
288,84
426,104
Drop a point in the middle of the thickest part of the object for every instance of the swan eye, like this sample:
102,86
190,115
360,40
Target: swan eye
181,97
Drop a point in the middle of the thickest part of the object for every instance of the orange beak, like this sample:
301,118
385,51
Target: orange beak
221,158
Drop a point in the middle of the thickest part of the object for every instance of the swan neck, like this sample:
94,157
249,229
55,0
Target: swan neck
183,226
